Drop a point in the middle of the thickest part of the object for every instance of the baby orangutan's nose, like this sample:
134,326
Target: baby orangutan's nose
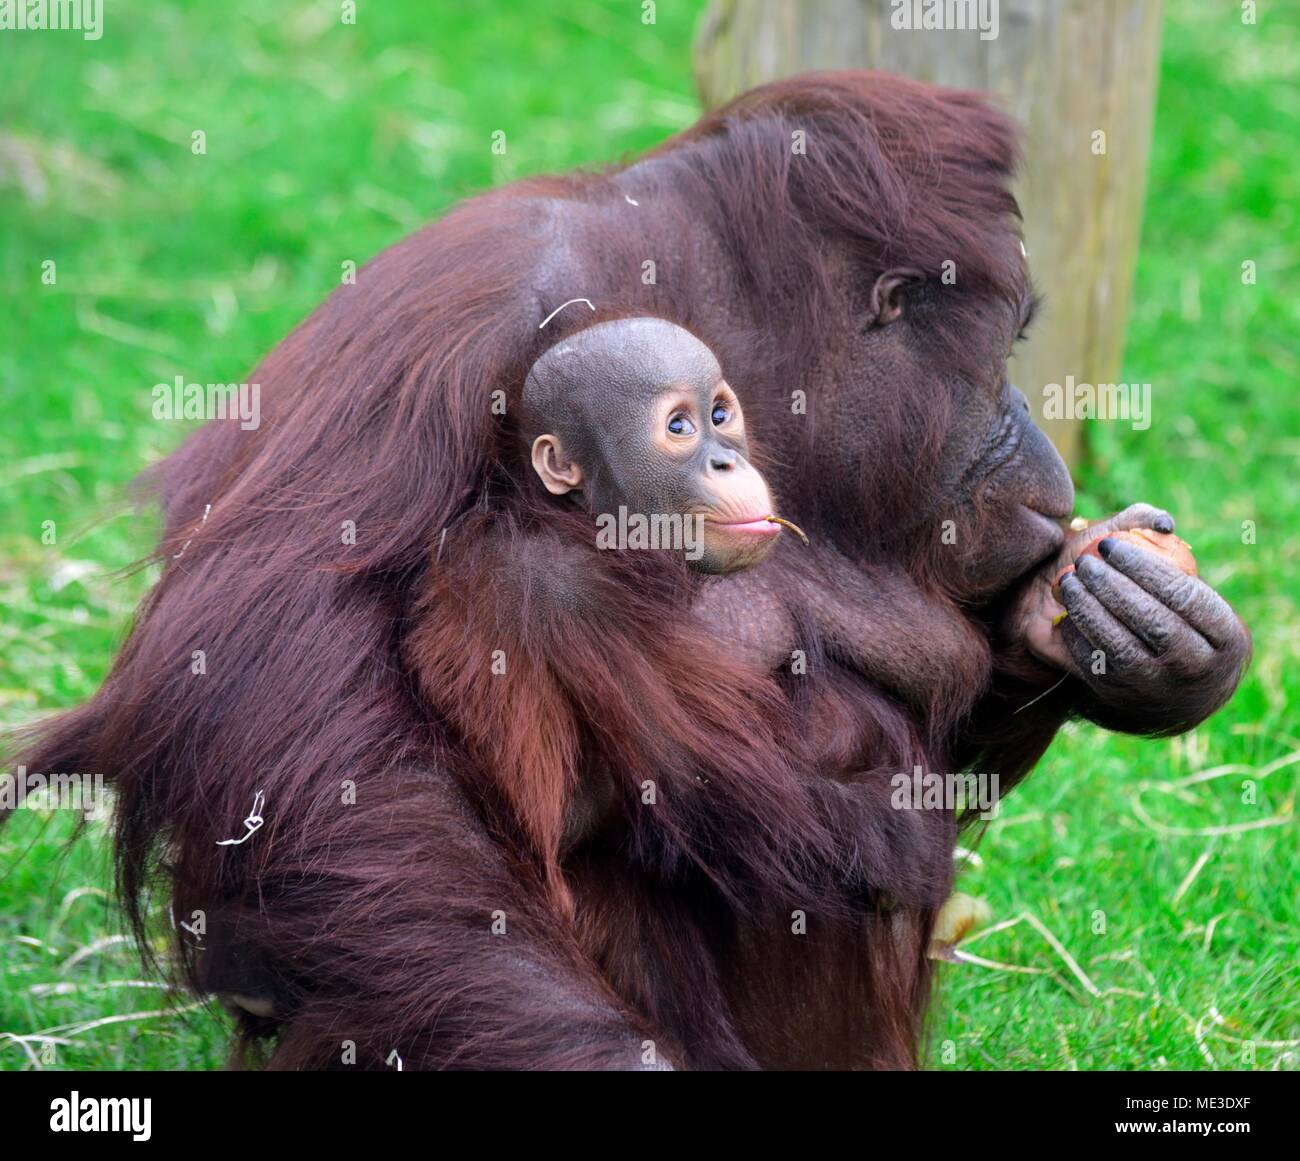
722,460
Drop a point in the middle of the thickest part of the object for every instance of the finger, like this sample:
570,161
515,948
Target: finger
1140,516
1099,626
1081,650
1162,630
1134,516
1094,664
1191,598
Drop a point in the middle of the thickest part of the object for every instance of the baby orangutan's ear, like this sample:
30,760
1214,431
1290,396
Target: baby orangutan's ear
559,473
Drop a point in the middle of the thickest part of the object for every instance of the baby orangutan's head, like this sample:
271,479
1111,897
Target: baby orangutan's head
634,413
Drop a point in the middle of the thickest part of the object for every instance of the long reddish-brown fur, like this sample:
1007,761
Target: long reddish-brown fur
333,665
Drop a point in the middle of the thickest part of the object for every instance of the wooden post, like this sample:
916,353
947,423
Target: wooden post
1078,75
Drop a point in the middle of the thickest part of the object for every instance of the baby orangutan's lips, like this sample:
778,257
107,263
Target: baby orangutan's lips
761,526
755,525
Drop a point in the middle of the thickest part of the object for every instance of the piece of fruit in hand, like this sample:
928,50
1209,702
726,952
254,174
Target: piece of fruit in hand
1165,544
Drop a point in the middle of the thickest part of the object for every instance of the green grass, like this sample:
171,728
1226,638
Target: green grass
325,144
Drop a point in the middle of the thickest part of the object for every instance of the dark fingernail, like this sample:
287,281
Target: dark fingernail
1163,523
1107,546
1070,582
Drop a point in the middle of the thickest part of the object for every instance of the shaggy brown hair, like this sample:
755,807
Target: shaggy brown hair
410,795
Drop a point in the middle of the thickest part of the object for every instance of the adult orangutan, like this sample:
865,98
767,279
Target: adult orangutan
528,803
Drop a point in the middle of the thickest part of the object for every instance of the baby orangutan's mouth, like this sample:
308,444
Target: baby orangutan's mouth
755,525
760,526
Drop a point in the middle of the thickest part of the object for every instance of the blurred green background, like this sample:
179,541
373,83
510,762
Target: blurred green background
1171,903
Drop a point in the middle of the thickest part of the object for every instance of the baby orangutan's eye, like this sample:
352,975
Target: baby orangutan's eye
680,424
721,413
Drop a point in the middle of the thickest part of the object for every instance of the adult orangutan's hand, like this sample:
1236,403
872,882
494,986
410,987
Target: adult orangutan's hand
1157,650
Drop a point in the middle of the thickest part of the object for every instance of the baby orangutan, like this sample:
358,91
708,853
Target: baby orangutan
633,419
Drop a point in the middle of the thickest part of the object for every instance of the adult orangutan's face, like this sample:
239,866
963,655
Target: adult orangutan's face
986,489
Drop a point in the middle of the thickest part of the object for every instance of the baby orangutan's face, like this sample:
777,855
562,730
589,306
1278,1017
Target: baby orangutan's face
642,419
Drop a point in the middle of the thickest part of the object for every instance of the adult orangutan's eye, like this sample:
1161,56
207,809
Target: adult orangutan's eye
1027,313
720,414
681,425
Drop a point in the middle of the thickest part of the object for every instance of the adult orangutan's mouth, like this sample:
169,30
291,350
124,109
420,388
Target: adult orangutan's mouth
1052,528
